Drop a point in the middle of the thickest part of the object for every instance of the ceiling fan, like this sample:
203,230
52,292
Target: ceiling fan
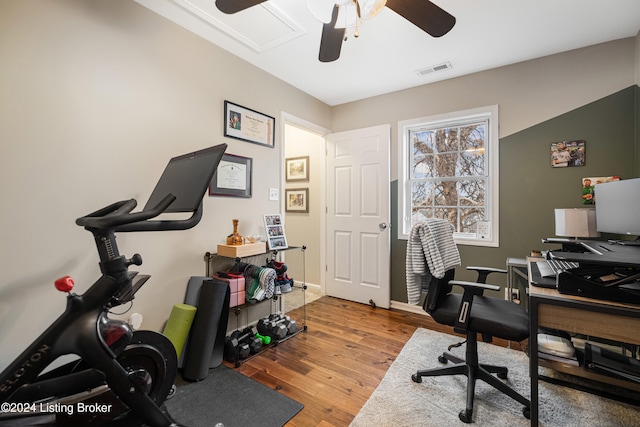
338,16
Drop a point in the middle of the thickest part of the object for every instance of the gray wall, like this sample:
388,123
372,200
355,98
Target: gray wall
95,97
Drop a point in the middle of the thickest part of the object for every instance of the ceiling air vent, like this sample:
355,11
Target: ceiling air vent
433,69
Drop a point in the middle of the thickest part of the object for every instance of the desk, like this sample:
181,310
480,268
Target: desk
598,318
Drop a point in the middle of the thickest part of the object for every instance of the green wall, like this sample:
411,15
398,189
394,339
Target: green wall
638,129
530,188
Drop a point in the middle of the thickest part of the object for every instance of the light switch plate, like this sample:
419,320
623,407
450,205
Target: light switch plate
483,230
274,194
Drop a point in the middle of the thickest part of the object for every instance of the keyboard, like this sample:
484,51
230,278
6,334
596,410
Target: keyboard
551,267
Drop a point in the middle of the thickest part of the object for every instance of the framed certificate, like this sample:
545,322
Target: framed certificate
233,177
248,125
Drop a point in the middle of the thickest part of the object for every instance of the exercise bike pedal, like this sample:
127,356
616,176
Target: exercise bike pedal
172,392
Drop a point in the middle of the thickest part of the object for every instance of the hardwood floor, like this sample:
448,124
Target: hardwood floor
335,365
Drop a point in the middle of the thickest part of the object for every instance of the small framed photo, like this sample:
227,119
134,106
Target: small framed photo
297,169
296,200
248,125
588,184
233,177
276,238
568,153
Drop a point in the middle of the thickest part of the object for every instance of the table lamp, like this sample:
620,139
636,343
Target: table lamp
577,222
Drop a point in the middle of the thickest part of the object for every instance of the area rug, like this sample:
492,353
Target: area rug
398,401
228,397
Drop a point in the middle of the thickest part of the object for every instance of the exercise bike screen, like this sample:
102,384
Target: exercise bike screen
187,177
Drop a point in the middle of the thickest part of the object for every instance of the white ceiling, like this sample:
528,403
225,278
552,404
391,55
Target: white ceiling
282,38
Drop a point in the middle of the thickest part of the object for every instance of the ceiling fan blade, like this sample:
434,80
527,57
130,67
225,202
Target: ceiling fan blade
425,15
233,6
331,41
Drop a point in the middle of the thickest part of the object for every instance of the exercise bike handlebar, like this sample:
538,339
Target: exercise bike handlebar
118,217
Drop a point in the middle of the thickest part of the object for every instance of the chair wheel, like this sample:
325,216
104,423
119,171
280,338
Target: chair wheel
442,359
465,416
526,412
416,378
502,375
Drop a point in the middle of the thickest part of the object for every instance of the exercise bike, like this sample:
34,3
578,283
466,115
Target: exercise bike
121,377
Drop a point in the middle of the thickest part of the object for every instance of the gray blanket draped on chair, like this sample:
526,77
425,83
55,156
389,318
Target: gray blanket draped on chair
431,251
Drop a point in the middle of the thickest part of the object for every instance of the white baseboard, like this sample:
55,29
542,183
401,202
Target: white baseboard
399,305
408,307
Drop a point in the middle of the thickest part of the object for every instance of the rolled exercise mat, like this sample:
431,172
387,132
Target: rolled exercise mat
178,326
191,298
206,340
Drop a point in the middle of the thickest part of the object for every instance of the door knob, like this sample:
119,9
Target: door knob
383,226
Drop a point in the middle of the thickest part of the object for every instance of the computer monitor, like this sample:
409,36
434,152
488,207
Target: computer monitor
618,207
187,177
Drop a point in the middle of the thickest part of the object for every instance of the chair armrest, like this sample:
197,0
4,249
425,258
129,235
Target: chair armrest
479,286
489,269
483,272
471,289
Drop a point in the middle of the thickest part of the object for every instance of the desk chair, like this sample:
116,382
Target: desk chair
470,313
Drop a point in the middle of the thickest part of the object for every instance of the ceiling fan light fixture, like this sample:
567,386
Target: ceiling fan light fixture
322,9
348,17
344,17
370,8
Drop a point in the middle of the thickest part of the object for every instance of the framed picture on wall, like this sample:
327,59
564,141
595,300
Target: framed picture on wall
297,169
249,125
233,177
296,200
275,232
568,153
588,193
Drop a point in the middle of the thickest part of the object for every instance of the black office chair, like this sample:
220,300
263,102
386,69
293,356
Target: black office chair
472,313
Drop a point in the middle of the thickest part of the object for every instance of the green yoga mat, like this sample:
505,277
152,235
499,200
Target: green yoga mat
179,324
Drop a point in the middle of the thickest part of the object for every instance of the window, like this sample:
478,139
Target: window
448,168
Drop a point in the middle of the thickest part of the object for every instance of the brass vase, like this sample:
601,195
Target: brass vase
235,238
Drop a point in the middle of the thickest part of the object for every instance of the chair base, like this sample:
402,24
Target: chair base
474,371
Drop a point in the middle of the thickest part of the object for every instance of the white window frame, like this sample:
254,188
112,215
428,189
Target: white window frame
489,113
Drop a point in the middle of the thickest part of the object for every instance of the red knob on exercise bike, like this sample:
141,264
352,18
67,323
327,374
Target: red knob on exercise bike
65,284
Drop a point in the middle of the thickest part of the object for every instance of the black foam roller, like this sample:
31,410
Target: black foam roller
206,341
191,298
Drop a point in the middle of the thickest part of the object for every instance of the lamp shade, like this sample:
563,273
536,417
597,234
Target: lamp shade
576,222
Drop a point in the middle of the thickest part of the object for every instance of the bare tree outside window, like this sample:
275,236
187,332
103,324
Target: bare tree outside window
448,177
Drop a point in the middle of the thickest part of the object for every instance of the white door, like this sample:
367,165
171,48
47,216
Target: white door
358,235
